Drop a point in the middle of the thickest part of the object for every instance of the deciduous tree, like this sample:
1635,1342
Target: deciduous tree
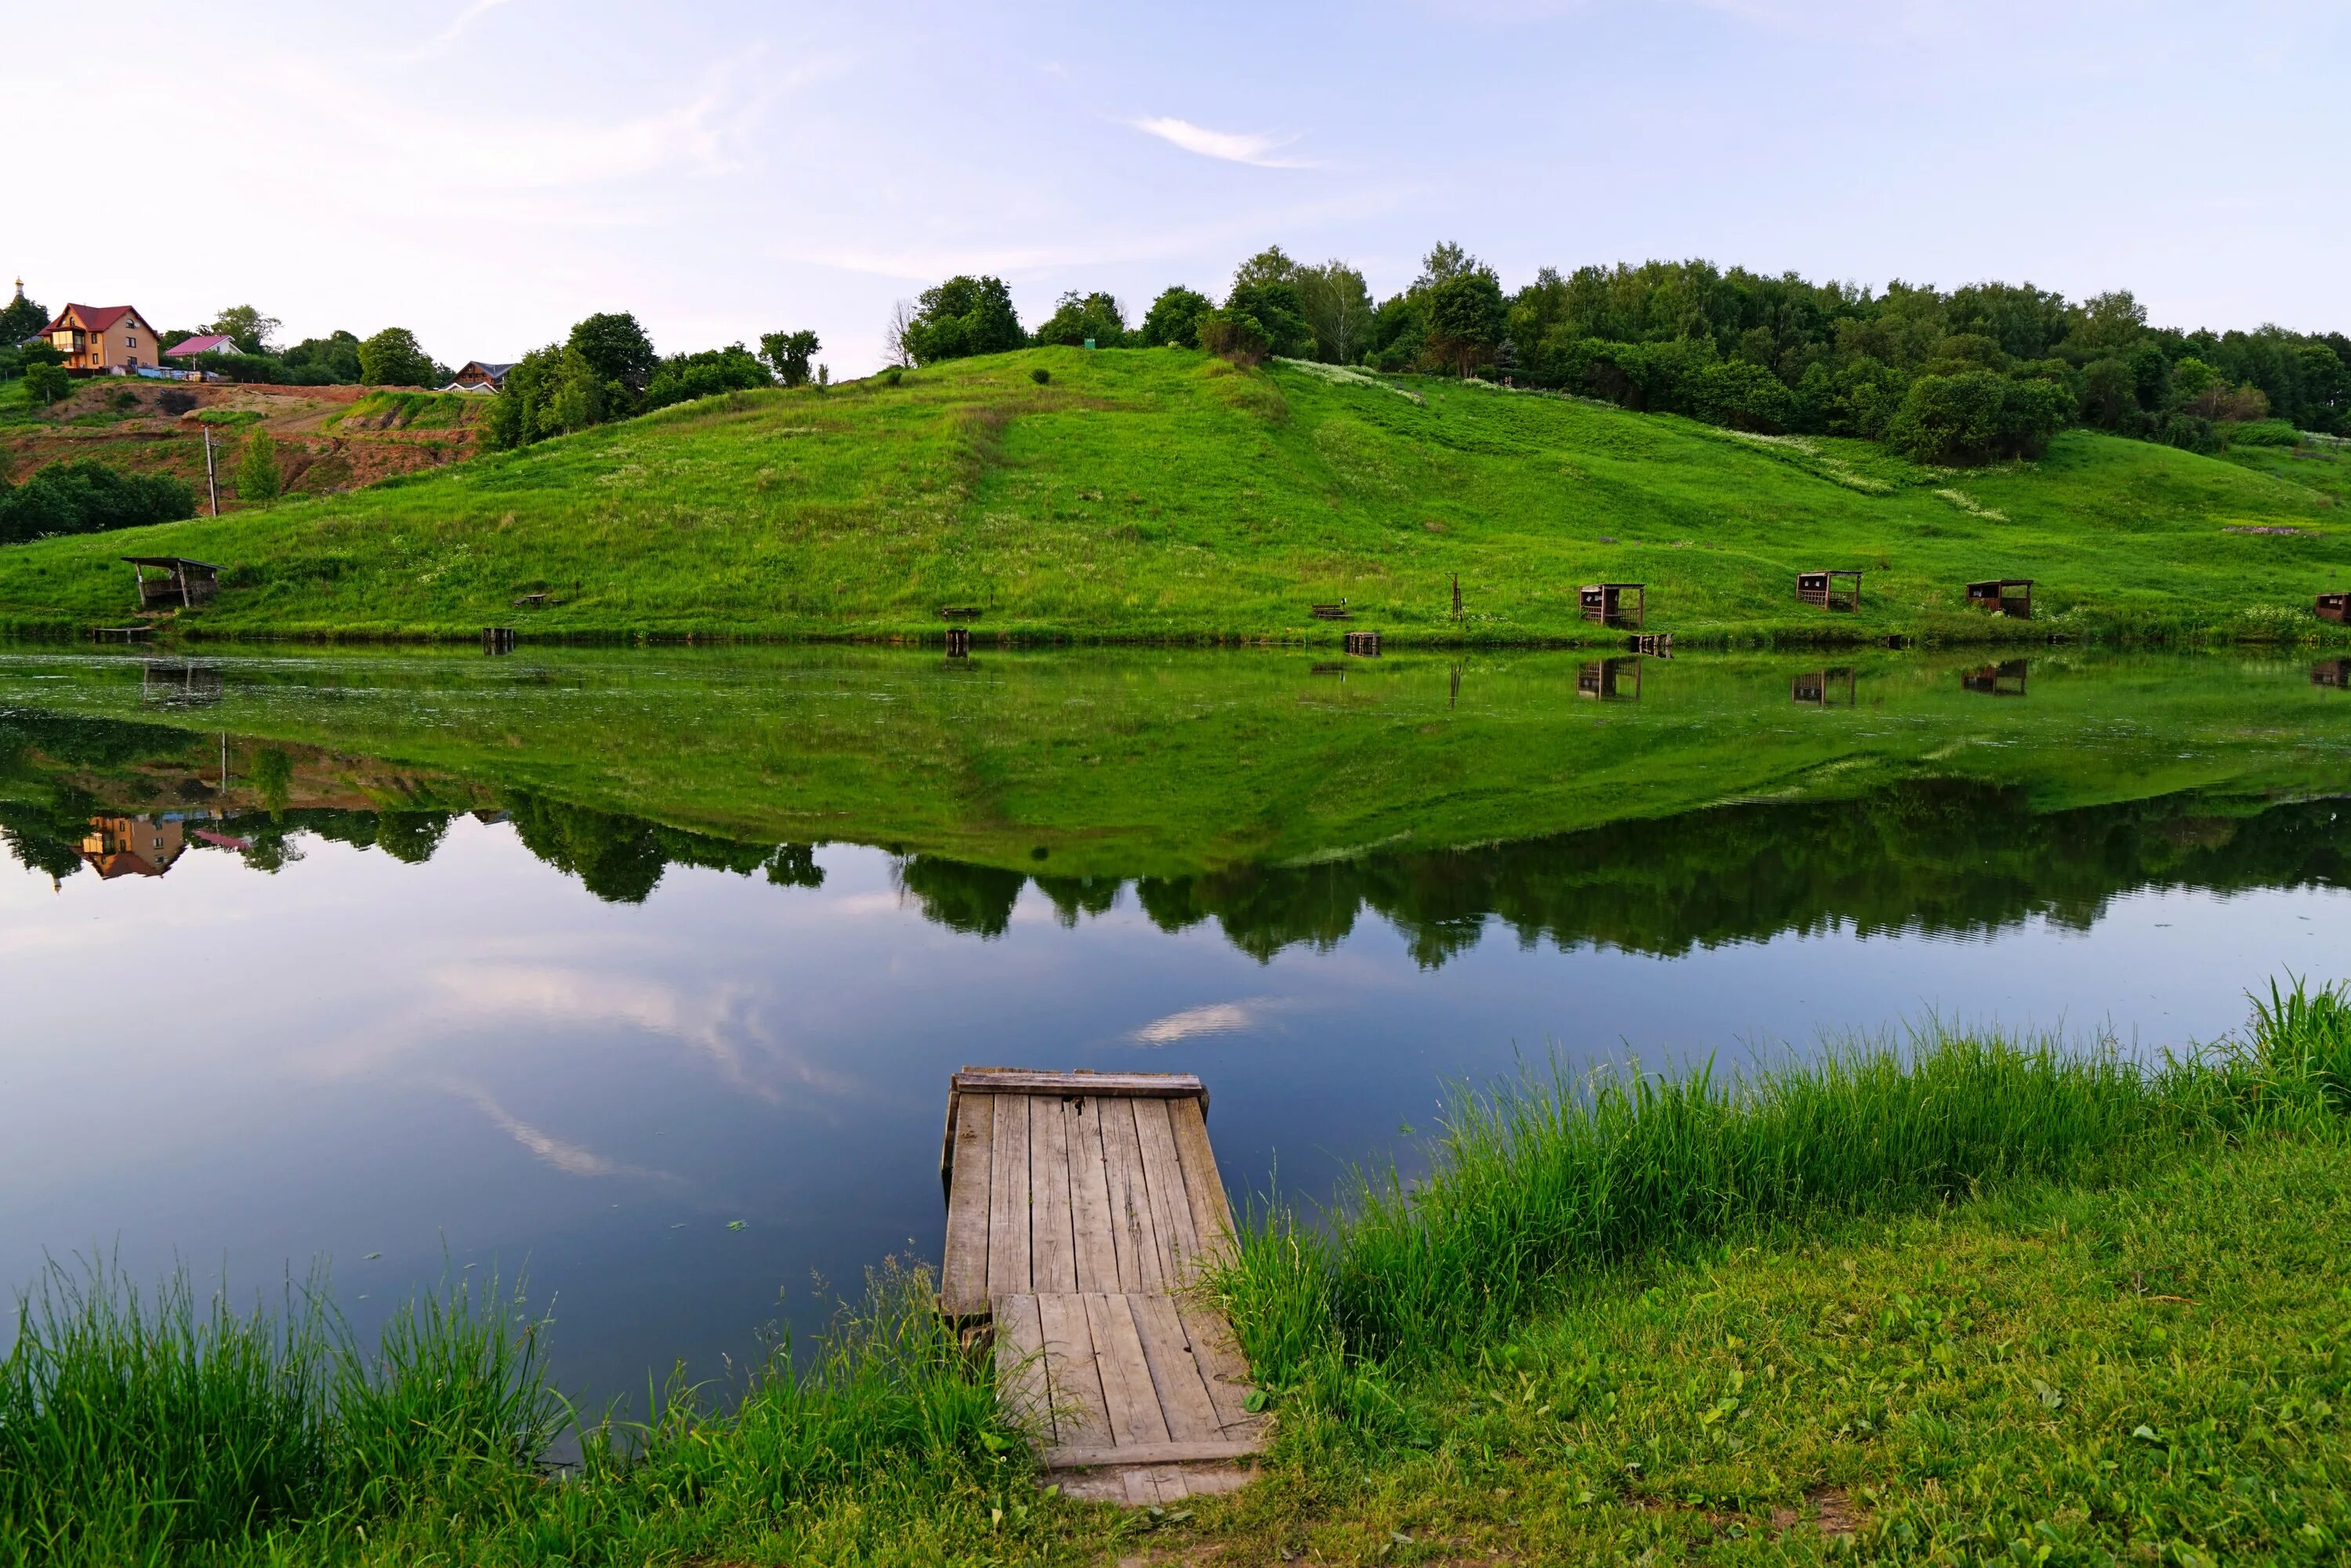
394,358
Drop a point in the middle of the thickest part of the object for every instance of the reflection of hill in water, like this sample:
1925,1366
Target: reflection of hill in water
1944,856
1941,857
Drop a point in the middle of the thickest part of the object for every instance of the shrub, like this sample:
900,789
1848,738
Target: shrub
1238,338
89,497
2188,432
893,376
1977,416
1041,375
1173,319
2264,432
684,377
258,476
46,383
256,368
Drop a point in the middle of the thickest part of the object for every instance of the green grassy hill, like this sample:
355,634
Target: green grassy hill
1163,494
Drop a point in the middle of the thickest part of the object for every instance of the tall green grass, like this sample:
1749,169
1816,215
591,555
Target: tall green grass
1542,1181
171,1428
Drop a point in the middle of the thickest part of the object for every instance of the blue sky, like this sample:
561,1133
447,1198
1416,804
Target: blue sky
485,172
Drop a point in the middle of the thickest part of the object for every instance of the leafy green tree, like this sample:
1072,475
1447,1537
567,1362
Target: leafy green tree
1258,319
1466,317
394,358
616,350
1234,336
1081,316
513,421
576,396
88,498
259,479
1174,319
45,384
20,319
684,377
330,360
1338,305
2109,394
247,327
1268,266
1445,262
788,353
1977,417
963,317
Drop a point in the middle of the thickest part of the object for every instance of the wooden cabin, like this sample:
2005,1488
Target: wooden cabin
181,584
2010,596
2336,607
1832,589
1604,603
2005,679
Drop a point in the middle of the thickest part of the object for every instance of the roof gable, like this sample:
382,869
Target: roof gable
202,343
94,318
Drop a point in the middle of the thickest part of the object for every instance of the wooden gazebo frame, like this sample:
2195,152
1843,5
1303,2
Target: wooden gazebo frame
2000,596
1604,603
1818,688
1832,589
184,582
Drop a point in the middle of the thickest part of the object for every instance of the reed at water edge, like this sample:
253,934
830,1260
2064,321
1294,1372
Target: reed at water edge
175,1428
1541,1182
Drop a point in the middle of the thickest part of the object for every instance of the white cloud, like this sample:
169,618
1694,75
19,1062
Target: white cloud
1252,147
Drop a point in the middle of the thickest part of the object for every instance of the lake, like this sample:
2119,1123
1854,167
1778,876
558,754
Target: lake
644,969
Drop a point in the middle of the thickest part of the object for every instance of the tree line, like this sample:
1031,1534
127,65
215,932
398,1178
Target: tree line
606,368
1973,374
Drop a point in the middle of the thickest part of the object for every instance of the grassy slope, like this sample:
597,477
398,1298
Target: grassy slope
1160,494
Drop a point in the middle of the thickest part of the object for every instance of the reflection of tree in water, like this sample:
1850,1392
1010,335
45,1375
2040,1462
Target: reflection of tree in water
976,899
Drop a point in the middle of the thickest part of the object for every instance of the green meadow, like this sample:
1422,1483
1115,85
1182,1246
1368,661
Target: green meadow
1162,494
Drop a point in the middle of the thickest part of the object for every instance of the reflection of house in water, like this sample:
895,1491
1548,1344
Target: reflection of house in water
2005,679
133,846
1599,680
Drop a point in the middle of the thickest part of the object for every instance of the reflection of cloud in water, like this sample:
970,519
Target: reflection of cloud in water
573,1159
1214,1018
720,1022
888,902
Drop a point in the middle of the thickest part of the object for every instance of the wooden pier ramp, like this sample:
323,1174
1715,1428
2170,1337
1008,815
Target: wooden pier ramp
1081,1206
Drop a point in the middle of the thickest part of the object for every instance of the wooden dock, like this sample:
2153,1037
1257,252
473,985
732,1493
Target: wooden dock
1081,1206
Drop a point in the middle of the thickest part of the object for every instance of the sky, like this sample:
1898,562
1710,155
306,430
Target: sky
486,171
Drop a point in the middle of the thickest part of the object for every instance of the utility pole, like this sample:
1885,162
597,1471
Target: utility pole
211,484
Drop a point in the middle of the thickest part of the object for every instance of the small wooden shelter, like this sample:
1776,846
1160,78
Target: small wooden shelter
2010,596
1604,603
2005,679
2336,607
1832,589
182,584
1363,644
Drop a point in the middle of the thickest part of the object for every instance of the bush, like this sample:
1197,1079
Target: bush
1977,416
2264,432
259,479
45,383
1742,395
253,368
89,497
893,376
684,377
2188,432
1238,338
1041,375
1173,319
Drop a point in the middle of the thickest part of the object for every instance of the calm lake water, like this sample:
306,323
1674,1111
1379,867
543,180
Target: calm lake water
646,969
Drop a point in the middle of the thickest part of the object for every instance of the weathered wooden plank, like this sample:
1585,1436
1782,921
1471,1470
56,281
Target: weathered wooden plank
1020,1380
1127,1390
1007,1200
1221,1369
1072,1379
965,1271
1162,1176
1053,1243
1090,1211
1212,1214
1142,1260
1020,1081
1168,1453
1184,1402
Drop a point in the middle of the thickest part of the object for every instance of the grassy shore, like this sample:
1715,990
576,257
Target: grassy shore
1965,1300
1162,495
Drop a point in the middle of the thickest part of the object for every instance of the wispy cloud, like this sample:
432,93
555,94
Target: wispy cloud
1252,147
573,1159
455,30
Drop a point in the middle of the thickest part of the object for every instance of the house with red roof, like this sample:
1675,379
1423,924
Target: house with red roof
202,343
110,338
